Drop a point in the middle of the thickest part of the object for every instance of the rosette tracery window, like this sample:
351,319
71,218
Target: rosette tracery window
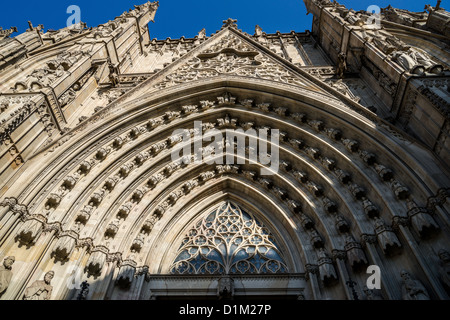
228,241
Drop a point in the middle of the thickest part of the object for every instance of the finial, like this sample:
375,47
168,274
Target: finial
229,23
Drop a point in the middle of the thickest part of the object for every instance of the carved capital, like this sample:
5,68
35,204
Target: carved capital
368,239
339,254
398,221
312,269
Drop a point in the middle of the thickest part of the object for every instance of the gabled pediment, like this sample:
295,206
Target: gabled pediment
227,53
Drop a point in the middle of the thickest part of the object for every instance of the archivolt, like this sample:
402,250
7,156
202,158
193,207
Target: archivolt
334,185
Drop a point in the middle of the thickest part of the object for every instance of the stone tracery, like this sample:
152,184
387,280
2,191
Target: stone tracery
228,241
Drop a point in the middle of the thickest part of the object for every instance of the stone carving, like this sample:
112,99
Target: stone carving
236,246
40,289
412,289
383,79
300,175
326,268
65,245
355,253
202,34
126,274
401,192
313,152
421,220
357,191
7,32
343,176
113,74
71,93
258,31
229,23
306,222
342,225
30,231
444,267
124,210
370,209
112,229
314,188
341,65
225,287
149,224
372,294
96,261
416,62
238,59
387,239
315,239
6,273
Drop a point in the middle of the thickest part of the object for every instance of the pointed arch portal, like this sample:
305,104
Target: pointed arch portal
106,203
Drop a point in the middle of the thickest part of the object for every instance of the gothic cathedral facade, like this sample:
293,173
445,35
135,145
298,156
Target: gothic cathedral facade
93,204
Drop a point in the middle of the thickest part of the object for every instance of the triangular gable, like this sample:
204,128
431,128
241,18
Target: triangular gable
229,52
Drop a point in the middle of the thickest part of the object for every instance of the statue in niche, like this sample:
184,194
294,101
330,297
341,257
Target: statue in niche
40,289
412,289
6,274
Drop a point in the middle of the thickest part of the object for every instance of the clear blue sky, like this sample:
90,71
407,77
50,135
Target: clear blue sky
176,18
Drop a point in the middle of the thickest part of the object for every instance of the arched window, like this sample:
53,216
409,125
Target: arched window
228,241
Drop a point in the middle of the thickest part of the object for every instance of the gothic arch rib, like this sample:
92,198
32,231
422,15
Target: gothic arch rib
85,145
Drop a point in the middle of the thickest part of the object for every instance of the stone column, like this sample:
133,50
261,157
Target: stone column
140,278
33,264
99,292
401,223
340,256
387,283
312,272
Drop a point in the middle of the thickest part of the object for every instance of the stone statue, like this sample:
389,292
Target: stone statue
258,31
40,289
202,34
113,76
6,273
341,65
413,60
444,269
412,289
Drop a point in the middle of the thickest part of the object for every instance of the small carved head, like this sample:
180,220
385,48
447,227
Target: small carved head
48,277
405,275
444,255
8,262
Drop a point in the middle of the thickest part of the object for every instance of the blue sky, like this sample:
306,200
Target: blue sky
177,18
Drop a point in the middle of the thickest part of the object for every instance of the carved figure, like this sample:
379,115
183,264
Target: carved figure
412,289
6,273
40,289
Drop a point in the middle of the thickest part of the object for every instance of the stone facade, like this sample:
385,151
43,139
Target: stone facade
93,207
